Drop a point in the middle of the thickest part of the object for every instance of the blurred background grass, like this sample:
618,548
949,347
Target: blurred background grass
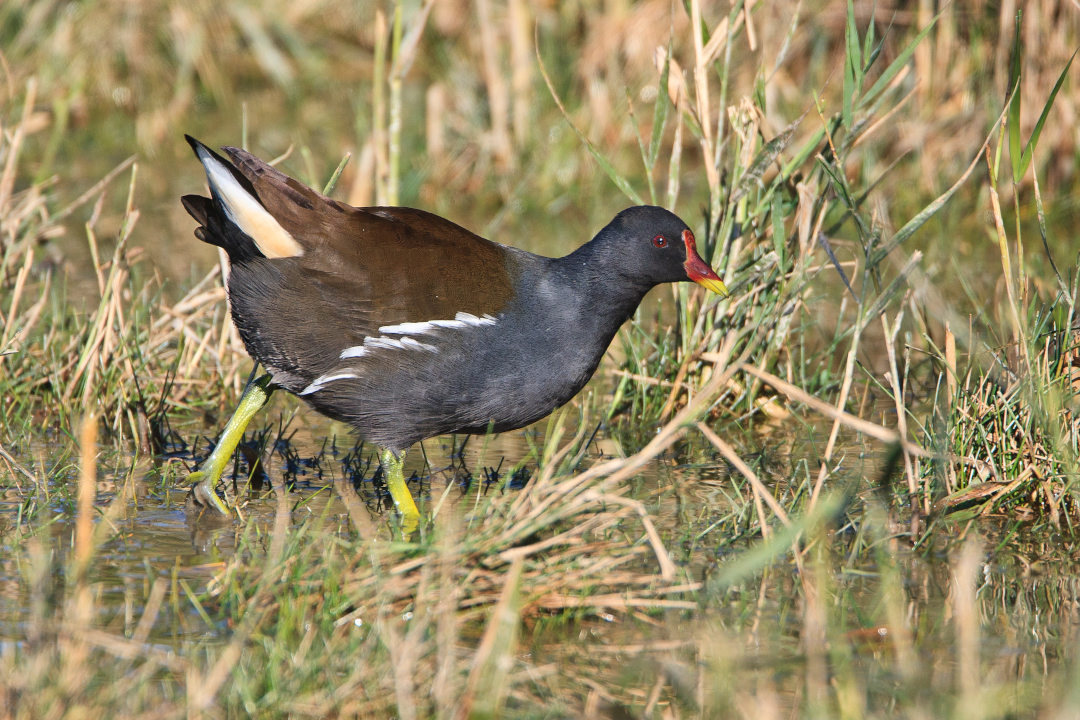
482,141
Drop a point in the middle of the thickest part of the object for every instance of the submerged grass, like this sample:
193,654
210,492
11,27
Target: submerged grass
850,569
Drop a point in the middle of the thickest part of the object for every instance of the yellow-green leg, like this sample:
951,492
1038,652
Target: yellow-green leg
393,465
206,478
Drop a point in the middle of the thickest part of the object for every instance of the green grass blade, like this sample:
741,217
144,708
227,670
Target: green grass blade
868,55
804,153
854,52
1029,149
753,560
849,92
620,182
896,65
894,289
852,63
1046,244
1013,122
759,89
839,183
329,188
851,36
641,145
928,212
660,112
779,234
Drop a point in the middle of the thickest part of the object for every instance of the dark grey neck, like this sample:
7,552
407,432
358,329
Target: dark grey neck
610,295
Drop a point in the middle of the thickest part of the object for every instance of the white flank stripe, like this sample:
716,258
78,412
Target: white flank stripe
414,345
273,240
322,380
460,321
473,320
409,328
353,352
383,342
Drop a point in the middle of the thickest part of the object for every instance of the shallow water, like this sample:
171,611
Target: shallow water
1028,594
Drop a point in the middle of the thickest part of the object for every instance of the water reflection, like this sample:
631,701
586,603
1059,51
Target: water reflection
863,612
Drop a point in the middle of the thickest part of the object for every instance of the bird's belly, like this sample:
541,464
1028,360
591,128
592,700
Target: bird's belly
502,388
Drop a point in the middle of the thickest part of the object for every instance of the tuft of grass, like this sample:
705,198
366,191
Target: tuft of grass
700,568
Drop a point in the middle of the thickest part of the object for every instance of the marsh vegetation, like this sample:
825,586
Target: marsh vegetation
848,490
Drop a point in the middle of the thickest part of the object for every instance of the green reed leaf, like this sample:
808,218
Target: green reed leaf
660,112
621,182
894,288
1029,149
1013,123
894,67
329,187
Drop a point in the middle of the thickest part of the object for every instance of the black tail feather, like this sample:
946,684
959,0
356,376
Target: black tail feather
216,228
240,177
198,207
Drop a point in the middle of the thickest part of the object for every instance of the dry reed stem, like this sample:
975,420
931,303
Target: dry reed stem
403,51
760,491
378,109
126,649
7,179
446,629
498,100
91,240
667,567
84,519
893,376
96,189
677,384
1006,266
358,513
855,423
150,611
405,651
521,67
815,624
676,157
950,363
676,428
495,654
841,402
434,125
649,380
16,295
968,620
701,91
13,463
361,192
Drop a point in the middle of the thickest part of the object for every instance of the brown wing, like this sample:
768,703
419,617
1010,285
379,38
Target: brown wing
416,265
361,269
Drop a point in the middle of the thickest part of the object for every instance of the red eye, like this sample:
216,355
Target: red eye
660,241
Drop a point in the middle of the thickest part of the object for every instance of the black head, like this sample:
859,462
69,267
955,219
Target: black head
648,246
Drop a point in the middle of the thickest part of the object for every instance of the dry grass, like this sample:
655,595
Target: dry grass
806,591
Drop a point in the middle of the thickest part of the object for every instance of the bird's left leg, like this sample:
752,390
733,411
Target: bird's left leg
393,465
255,397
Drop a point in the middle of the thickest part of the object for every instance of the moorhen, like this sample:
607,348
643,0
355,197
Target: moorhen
407,326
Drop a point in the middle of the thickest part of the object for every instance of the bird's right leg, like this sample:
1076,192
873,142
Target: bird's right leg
393,464
206,478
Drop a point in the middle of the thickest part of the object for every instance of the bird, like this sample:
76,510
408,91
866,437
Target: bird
406,325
